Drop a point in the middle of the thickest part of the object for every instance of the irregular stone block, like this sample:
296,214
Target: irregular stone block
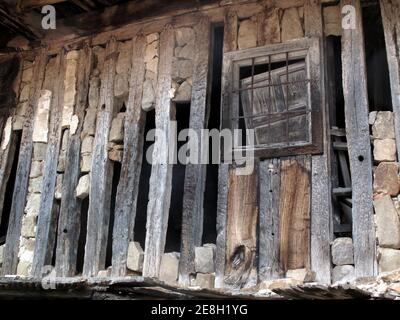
386,178
342,251
389,259
135,258
24,268
184,92
383,127
279,283
247,36
36,169
372,117
302,275
87,144
27,75
28,229
181,69
117,128
89,124
32,204
7,131
384,150
121,86
343,274
41,123
124,58
204,259
149,96
185,52
291,25
183,36
24,94
58,189
94,92
152,37
39,151
86,162
205,280
169,267
387,223
83,188
35,185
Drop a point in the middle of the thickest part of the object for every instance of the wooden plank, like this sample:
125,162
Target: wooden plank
241,228
390,11
42,244
70,210
102,171
192,214
357,129
269,197
230,31
22,176
161,171
321,205
222,207
294,210
128,187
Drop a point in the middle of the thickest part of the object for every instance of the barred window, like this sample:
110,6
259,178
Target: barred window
275,91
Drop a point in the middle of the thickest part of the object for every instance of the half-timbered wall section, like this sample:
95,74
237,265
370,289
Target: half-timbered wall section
73,139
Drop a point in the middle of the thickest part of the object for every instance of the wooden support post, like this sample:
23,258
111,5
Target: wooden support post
269,197
42,243
321,204
11,249
357,130
192,215
230,44
128,187
161,172
70,211
390,10
101,173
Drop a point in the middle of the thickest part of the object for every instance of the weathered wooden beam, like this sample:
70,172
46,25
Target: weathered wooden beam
69,221
101,173
357,129
269,197
128,187
192,215
45,218
390,11
32,4
321,205
161,172
22,176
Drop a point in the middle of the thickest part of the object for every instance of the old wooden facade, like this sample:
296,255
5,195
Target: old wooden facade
83,93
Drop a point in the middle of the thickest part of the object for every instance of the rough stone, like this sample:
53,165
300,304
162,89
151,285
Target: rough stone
7,131
117,128
24,94
87,144
181,69
74,124
121,86
32,204
27,75
35,185
169,267
39,151
115,155
61,161
343,274
24,268
184,92
89,124
303,275
152,37
185,52
86,162
386,179
72,55
124,58
384,150
383,127
94,92
149,96
83,188
135,258
342,251
372,117
279,283
205,280
387,223
183,36
28,226
58,189
332,21
41,123
291,25
36,169
389,259
247,36
204,259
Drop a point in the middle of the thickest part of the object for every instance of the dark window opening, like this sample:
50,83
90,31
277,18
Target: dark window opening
379,94
8,195
115,182
139,233
173,240
82,235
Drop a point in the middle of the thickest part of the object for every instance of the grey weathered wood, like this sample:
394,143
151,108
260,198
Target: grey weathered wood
42,243
231,25
128,187
390,11
69,221
321,205
161,171
269,196
357,129
101,173
192,214
22,176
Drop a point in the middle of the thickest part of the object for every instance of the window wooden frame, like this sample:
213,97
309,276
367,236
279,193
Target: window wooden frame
307,49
